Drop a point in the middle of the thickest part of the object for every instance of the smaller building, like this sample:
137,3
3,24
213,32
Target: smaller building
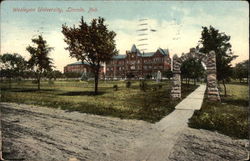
81,67
78,67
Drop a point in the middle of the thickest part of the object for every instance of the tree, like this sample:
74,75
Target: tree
241,70
192,69
168,74
92,43
212,39
39,61
12,66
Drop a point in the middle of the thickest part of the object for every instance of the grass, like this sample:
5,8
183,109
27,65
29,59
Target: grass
128,103
229,117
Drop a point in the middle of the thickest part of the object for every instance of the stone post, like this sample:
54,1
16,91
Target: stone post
176,88
212,88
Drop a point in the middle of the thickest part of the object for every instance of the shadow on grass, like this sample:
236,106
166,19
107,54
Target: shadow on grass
81,93
96,110
236,102
27,90
239,83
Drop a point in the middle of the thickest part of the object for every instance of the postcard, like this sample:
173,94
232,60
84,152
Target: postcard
124,80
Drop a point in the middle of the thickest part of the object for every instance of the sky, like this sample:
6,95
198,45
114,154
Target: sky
176,25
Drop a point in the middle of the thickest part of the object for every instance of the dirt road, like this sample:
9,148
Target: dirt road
34,133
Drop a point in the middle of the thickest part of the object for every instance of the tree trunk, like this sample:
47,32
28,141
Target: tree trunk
38,82
225,89
9,83
96,81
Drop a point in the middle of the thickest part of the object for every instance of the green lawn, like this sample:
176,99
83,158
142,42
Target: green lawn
129,103
229,117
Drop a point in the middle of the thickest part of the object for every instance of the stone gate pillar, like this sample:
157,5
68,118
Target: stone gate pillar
212,88
176,88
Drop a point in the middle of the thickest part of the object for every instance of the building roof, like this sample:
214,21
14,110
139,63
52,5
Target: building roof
164,51
134,49
149,54
78,63
119,57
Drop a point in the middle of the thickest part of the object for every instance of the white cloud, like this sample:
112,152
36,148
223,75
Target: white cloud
59,54
124,42
18,40
15,40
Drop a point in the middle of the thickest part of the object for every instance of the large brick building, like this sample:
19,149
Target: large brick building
138,65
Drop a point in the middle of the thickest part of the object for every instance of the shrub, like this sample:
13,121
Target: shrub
115,87
148,76
227,119
128,84
143,85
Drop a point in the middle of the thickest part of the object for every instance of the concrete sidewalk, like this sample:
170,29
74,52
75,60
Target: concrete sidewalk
194,100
